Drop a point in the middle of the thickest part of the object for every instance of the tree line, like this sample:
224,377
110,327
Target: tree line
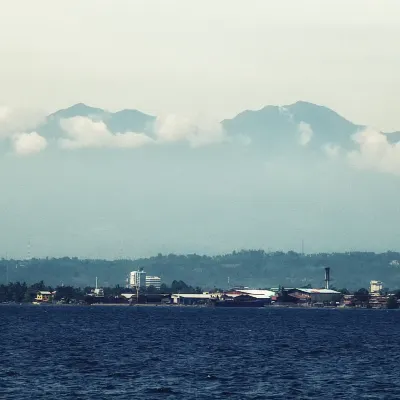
21,292
252,268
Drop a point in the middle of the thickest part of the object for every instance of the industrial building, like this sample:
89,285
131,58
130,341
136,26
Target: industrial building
258,293
315,295
254,294
146,298
308,296
190,299
154,281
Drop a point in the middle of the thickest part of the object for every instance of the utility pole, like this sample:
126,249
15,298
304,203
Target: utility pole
6,269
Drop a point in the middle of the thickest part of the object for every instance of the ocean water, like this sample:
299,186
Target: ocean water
106,352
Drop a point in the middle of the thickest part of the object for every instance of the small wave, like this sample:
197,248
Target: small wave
162,389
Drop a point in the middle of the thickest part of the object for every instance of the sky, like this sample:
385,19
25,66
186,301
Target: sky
189,186
215,58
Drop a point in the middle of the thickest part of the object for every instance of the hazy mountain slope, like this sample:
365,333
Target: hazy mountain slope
169,196
81,110
130,121
393,137
281,126
273,127
250,268
119,122
326,124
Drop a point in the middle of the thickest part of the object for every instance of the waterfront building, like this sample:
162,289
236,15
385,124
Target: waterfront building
43,296
307,296
137,279
375,287
190,299
348,300
154,281
378,301
251,294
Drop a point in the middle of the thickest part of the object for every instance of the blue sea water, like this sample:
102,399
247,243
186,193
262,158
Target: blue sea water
106,352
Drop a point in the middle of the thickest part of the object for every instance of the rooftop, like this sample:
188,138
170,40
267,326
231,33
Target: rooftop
321,291
257,292
192,296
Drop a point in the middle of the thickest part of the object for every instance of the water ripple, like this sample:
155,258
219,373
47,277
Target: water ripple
197,353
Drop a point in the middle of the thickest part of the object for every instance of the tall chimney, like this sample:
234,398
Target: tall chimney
327,277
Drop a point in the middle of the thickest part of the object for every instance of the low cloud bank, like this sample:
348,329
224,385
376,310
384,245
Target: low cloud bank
28,143
83,133
375,152
17,126
15,120
200,132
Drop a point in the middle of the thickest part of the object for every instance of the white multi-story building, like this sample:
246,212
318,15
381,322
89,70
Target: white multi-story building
137,279
375,287
153,281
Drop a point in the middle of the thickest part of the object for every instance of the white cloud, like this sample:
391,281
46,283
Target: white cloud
83,132
14,120
28,143
331,150
285,112
305,132
375,152
200,132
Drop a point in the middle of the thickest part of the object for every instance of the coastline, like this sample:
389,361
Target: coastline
271,307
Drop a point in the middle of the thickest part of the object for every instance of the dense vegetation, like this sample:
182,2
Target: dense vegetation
21,292
253,268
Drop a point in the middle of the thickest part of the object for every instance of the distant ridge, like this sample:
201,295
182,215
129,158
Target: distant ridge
270,126
122,121
77,110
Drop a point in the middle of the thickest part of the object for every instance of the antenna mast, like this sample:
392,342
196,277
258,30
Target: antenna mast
29,251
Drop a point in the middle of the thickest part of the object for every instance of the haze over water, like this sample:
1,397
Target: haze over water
197,353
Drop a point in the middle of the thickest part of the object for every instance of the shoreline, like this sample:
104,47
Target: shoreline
187,306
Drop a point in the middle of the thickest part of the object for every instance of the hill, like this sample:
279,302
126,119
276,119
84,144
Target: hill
253,268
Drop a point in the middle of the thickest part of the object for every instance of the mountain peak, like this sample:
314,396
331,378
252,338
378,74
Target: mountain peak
127,120
79,109
271,125
304,104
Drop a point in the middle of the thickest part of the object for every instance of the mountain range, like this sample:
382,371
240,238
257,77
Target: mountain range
92,183
118,122
315,125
